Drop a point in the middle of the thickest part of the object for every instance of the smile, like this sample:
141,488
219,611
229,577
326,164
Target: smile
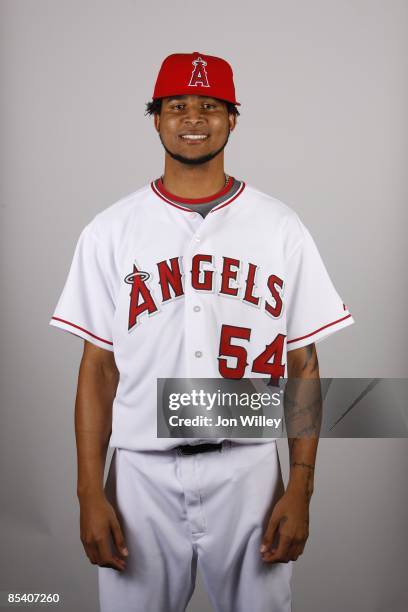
194,136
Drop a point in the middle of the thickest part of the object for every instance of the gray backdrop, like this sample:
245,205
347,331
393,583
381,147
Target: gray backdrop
323,127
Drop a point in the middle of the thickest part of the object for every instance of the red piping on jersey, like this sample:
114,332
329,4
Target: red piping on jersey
82,329
153,186
240,190
162,197
320,329
160,187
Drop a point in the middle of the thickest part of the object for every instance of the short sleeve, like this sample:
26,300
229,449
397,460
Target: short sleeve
86,306
314,309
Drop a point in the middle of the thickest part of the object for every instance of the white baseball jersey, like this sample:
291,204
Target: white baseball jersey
176,295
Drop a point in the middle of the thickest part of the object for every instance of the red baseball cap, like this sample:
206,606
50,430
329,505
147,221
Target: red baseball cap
195,74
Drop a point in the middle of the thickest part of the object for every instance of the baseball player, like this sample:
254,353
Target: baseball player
195,275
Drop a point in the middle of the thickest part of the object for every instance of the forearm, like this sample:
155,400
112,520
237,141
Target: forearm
302,459
93,423
303,415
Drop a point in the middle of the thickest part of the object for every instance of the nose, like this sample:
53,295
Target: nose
193,117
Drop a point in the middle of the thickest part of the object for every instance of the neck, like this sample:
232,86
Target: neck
194,181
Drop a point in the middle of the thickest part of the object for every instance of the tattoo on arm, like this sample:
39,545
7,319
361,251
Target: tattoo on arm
311,362
301,464
303,407
302,399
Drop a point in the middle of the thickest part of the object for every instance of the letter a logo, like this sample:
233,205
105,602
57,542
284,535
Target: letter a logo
199,74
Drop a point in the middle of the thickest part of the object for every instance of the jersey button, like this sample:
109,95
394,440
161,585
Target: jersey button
197,237
197,308
198,354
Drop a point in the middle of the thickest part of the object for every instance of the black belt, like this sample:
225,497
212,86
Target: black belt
190,449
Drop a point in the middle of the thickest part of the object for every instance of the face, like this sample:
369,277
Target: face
194,129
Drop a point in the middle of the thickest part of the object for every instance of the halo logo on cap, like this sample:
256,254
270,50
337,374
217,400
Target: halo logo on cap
199,74
186,74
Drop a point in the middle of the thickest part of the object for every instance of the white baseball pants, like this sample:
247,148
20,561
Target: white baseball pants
208,508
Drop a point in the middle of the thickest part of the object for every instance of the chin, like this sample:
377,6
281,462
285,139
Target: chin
193,161
201,157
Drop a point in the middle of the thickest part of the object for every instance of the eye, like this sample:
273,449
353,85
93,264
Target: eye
179,106
208,105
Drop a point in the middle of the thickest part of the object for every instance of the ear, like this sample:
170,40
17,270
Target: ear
232,119
156,119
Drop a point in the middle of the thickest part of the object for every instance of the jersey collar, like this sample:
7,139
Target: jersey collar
177,202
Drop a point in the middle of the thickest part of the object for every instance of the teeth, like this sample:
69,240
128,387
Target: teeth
195,136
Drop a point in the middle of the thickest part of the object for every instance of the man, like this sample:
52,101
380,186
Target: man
195,275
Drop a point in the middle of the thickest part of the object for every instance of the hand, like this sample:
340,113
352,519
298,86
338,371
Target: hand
98,522
289,527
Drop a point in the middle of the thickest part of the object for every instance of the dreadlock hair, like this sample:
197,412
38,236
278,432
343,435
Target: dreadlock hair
154,107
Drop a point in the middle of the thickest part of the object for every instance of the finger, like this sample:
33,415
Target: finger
117,564
269,535
118,538
105,556
113,563
280,553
